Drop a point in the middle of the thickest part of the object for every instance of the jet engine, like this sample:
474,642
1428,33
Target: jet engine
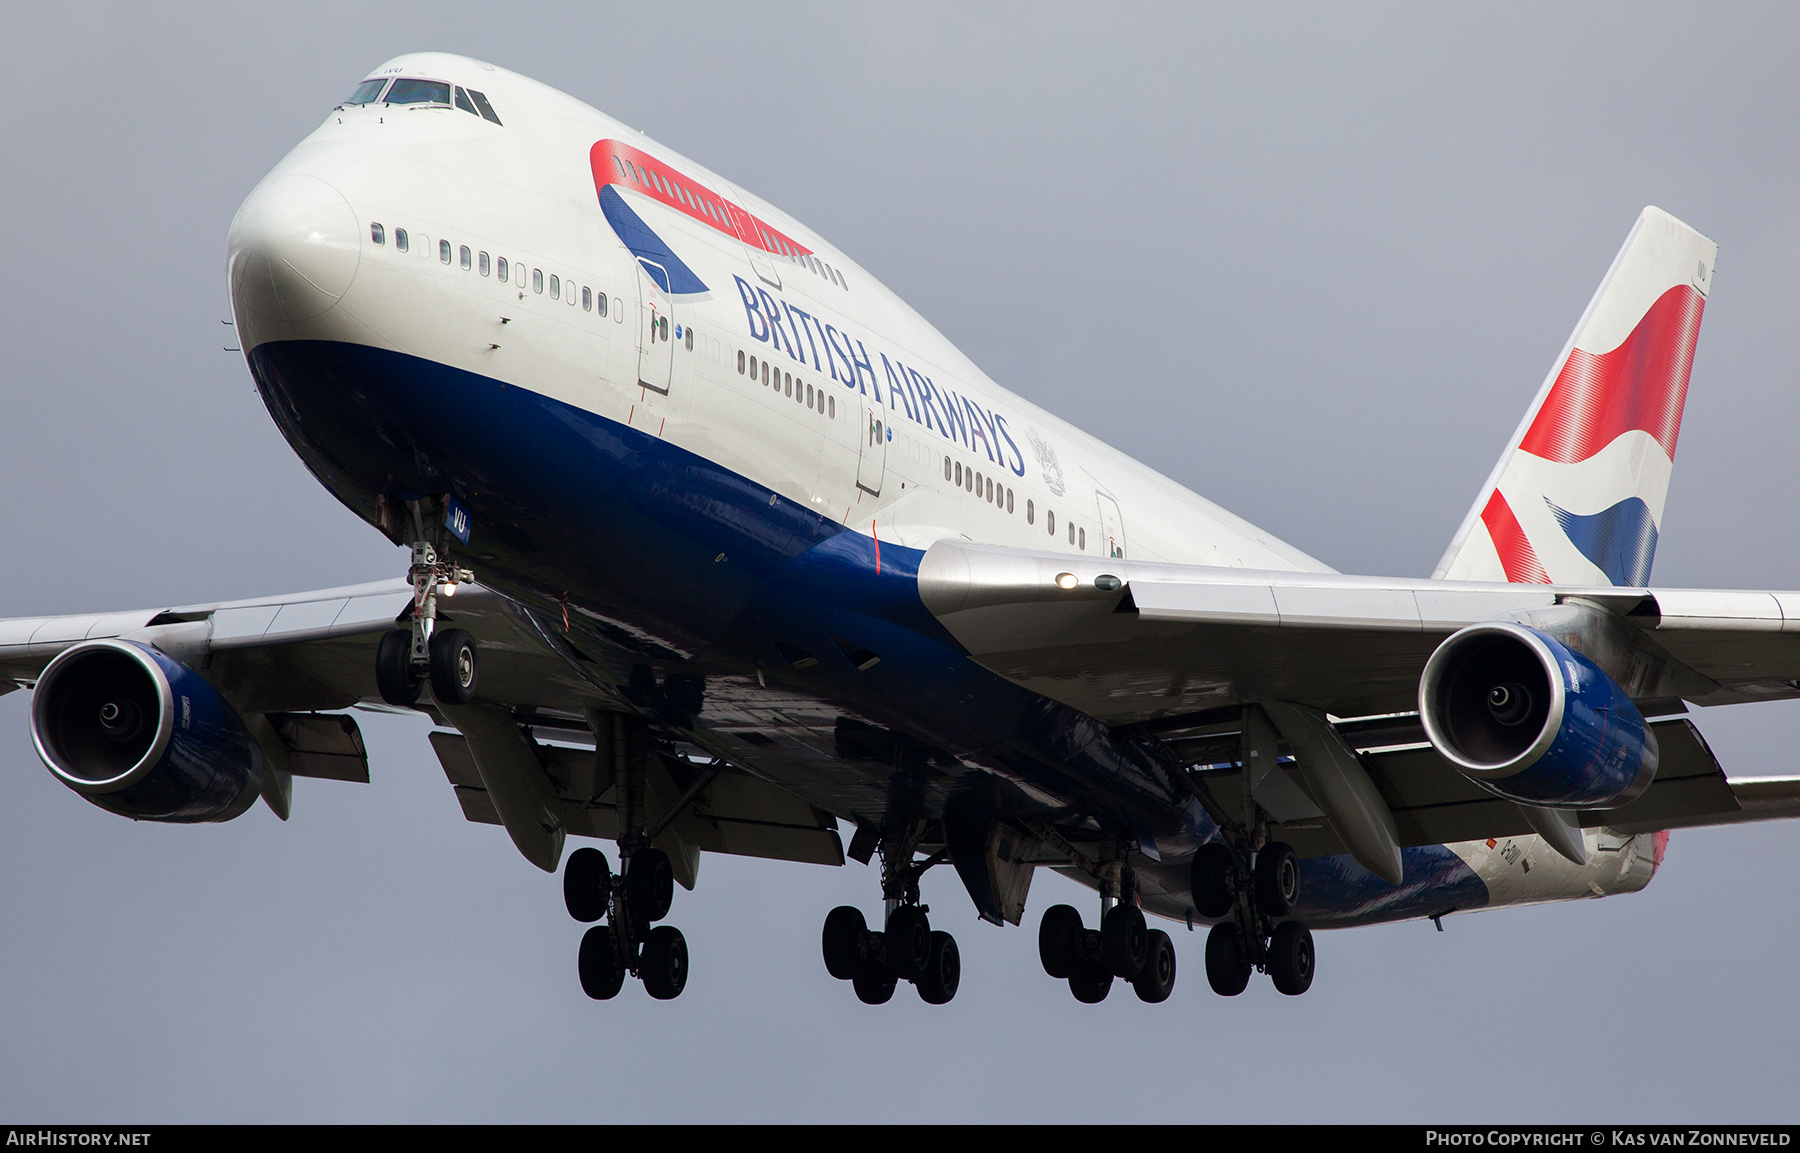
142,735
1532,720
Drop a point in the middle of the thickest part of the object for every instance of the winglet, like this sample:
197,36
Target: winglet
1577,498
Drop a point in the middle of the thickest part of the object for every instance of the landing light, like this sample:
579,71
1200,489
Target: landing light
1066,580
447,589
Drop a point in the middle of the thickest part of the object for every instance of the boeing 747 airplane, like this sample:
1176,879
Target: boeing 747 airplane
716,543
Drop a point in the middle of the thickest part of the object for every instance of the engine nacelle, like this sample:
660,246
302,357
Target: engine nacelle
142,735
1534,721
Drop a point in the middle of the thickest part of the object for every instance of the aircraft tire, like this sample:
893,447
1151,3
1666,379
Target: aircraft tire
1291,958
873,984
602,976
649,886
1213,879
844,927
398,684
944,972
907,943
1277,880
1089,984
455,668
664,964
587,879
1056,940
1227,964
1125,941
1157,980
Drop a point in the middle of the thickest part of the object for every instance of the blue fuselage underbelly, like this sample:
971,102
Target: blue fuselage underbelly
676,573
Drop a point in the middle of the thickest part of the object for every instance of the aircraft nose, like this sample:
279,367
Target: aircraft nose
294,248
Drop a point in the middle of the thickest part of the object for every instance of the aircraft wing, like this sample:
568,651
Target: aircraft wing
1133,641
289,664
1167,653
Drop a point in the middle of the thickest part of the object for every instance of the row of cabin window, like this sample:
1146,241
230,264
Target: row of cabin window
471,261
676,190
1002,497
785,384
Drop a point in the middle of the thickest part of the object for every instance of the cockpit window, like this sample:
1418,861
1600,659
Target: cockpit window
462,102
487,110
367,91
419,92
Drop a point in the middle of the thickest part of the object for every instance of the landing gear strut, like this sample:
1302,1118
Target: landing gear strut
631,901
906,948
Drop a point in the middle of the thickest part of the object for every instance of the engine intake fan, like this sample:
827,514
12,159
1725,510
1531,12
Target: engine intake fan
1534,721
142,735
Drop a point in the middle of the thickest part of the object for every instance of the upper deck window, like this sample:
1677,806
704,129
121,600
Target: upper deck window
367,91
419,92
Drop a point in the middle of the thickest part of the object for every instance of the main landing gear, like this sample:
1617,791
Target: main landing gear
408,657
906,948
1124,946
1250,901
631,901
630,941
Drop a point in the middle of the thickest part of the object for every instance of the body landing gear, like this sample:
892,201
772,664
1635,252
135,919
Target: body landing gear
1250,901
1123,947
906,948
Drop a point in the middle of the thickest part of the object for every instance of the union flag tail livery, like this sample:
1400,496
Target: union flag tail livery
1577,498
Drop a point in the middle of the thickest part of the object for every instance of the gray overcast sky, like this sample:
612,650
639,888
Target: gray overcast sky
1311,261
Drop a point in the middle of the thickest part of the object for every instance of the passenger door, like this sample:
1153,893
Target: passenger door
1112,528
656,326
871,468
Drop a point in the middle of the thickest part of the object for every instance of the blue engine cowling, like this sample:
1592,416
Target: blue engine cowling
143,735
1534,721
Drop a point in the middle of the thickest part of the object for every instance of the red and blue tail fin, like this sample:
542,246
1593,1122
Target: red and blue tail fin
1577,497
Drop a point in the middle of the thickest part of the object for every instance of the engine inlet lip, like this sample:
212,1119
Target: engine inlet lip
44,695
1430,685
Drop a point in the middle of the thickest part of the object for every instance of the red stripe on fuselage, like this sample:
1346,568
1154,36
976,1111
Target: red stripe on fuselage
1641,384
618,163
1517,557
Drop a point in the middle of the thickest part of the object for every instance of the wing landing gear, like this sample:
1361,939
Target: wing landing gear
633,899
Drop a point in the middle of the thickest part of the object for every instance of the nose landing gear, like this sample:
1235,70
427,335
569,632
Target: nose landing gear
406,658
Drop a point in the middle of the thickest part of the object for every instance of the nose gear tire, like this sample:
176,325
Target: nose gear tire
395,677
455,671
